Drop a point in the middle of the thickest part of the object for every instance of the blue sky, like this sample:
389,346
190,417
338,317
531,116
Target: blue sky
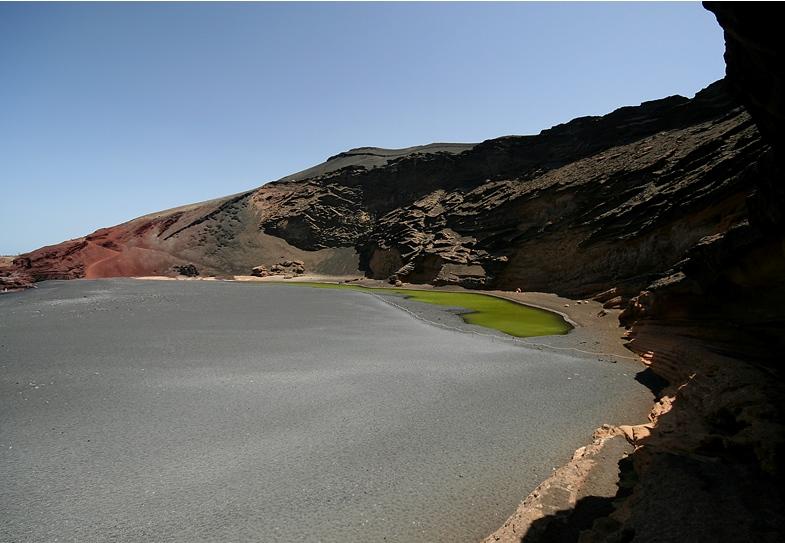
111,111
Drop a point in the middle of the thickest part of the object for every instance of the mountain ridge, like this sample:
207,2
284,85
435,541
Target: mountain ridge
476,215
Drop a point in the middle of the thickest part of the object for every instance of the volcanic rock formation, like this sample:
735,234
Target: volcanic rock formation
285,267
710,465
12,279
595,203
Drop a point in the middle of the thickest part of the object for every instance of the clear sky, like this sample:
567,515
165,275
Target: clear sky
111,111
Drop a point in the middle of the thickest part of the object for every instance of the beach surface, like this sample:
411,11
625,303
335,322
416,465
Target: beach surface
208,410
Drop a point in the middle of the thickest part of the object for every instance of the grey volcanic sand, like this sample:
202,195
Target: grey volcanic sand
209,411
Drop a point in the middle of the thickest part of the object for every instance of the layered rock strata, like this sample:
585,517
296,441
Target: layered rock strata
595,203
709,465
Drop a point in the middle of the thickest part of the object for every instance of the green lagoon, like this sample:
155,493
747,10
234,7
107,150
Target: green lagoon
512,318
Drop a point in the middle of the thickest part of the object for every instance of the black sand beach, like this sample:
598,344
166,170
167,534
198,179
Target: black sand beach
211,411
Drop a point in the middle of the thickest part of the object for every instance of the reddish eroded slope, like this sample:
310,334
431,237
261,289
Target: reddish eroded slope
221,237
133,248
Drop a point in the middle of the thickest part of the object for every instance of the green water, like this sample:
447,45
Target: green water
483,310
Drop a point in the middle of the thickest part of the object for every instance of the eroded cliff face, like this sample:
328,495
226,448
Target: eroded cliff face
710,465
595,203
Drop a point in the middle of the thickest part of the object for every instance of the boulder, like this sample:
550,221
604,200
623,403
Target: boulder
603,297
188,270
465,275
260,271
284,267
14,280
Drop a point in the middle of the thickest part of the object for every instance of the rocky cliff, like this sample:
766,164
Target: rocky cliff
595,203
709,465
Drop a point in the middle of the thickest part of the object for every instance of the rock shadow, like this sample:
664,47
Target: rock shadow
590,512
652,381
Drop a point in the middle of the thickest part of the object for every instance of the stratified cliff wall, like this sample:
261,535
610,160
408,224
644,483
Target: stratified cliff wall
710,465
737,277
595,203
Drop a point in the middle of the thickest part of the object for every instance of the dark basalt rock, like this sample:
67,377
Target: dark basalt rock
187,270
597,202
754,50
713,325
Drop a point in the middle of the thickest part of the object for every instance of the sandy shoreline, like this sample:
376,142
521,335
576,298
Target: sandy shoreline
520,409
593,469
596,330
